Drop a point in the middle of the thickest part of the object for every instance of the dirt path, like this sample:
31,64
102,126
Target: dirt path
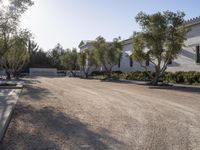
67,113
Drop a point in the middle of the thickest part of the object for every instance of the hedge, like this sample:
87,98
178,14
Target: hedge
180,77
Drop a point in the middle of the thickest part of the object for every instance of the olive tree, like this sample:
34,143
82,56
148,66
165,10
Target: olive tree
86,61
69,61
9,29
107,54
160,40
17,56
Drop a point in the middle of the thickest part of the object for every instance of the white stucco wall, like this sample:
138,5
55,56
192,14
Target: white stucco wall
186,60
43,71
125,61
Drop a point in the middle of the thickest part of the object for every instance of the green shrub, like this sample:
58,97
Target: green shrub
134,76
97,73
190,77
180,77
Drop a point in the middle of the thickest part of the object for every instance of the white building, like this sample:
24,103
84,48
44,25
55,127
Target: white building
188,59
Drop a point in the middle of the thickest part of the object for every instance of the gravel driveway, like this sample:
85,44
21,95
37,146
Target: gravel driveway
69,113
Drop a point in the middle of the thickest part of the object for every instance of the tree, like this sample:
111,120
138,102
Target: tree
160,40
17,55
107,54
33,49
9,20
9,28
70,61
54,56
41,59
86,61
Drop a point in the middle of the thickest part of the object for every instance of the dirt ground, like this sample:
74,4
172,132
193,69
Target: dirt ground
69,113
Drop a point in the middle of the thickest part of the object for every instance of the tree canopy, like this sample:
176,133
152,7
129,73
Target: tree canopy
107,54
160,40
87,61
54,56
69,61
13,39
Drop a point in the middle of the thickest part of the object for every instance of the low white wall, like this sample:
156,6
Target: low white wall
43,71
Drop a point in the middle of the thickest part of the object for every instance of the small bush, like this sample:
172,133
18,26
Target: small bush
180,77
99,73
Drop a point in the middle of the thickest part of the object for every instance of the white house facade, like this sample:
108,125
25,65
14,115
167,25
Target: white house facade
188,59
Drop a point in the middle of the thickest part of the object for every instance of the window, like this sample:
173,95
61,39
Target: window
119,63
131,62
197,54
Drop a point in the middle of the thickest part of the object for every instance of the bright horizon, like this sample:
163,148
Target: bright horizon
69,21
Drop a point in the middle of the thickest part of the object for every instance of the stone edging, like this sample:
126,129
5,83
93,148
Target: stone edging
7,108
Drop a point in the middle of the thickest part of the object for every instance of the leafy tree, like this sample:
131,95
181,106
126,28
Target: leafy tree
33,49
9,28
160,40
70,61
38,57
86,61
41,59
54,56
9,20
17,56
107,54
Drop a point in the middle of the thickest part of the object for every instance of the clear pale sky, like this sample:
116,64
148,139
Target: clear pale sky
69,21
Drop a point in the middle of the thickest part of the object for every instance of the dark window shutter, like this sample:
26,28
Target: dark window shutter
119,63
197,54
131,62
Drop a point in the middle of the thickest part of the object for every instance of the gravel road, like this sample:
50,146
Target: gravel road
70,113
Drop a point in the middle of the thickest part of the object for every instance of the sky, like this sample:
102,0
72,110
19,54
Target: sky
69,21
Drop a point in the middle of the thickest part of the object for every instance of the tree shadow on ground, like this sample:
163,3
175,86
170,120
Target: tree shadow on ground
35,91
131,82
178,88
49,128
30,80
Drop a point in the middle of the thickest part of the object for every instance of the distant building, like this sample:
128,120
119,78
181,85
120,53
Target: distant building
188,59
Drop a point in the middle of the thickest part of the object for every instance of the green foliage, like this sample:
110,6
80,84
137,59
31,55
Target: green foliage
160,40
143,76
70,60
86,61
39,59
180,77
17,56
13,40
103,73
107,54
82,59
55,55
190,77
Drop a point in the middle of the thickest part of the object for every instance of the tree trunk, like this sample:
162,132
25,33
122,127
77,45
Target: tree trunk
110,73
86,75
8,75
155,80
73,73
